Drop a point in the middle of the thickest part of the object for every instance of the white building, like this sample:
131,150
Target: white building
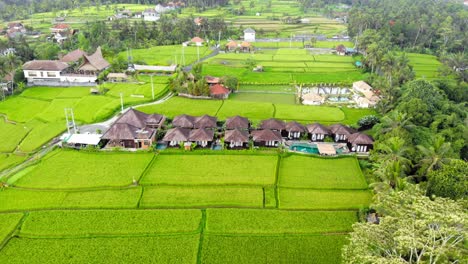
249,35
150,15
364,95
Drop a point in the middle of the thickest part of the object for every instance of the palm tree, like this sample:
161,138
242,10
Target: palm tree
394,120
434,156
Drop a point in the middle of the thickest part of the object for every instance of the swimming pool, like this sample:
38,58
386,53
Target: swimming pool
303,147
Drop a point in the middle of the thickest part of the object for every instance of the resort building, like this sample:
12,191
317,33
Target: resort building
295,130
150,15
202,137
364,95
61,32
176,136
219,91
275,125
236,139
134,129
318,132
187,121
340,132
312,99
237,122
60,72
266,138
359,142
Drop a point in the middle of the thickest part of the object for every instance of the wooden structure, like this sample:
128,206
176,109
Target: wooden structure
295,130
275,125
266,138
340,132
176,136
202,137
359,142
317,132
219,91
237,122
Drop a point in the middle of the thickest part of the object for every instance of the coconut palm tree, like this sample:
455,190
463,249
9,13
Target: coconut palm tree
434,156
395,120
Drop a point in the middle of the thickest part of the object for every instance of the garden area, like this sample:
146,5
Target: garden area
197,207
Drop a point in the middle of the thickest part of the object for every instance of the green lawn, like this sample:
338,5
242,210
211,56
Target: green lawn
258,221
100,170
308,113
21,200
8,224
9,160
166,55
11,135
21,109
203,196
211,170
323,199
321,173
424,66
177,105
158,249
254,111
272,249
265,97
41,133
79,223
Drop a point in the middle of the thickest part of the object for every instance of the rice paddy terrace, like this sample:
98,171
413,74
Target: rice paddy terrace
221,207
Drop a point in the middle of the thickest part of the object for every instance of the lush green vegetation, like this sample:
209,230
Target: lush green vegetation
321,173
167,55
201,196
8,160
256,249
157,249
211,169
265,97
74,223
255,221
323,199
176,106
101,170
9,223
284,66
20,200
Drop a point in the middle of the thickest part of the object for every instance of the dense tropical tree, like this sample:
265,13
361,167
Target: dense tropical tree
450,181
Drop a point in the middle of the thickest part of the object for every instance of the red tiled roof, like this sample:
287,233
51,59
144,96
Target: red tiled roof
61,26
218,89
197,40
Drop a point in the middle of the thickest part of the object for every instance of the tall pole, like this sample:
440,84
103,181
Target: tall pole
152,86
121,102
219,39
73,120
183,56
66,118
198,52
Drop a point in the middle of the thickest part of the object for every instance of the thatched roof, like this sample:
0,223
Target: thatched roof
266,135
238,122
73,56
139,119
341,48
360,139
201,134
273,124
295,127
45,65
231,44
205,121
95,62
339,129
184,121
123,131
212,79
317,128
197,40
236,135
177,134
246,44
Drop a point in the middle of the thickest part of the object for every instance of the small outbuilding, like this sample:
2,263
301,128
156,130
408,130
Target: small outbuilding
249,35
312,99
117,77
219,91
205,121
274,124
236,139
184,121
197,41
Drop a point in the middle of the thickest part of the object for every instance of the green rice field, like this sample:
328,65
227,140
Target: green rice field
424,66
285,66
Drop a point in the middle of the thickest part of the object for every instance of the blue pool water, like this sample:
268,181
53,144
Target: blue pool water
307,148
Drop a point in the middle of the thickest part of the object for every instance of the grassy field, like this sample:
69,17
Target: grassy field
8,160
424,66
101,170
9,223
255,221
257,110
62,223
323,199
285,66
167,55
157,249
211,169
321,173
206,196
39,111
272,249
265,97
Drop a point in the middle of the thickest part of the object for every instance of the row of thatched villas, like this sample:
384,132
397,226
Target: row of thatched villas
138,130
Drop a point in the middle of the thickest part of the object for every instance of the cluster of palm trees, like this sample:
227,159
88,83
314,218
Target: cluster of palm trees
397,161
